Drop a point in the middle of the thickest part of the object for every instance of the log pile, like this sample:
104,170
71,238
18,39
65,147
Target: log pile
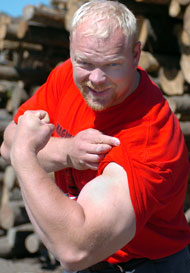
16,228
32,45
17,236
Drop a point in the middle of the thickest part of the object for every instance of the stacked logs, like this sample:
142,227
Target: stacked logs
32,45
17,238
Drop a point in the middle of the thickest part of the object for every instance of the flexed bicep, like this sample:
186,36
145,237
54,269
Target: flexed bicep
109,211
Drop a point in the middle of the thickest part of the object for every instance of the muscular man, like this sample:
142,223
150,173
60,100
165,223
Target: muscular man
117,151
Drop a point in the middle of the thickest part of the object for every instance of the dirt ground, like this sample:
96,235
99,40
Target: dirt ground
28,265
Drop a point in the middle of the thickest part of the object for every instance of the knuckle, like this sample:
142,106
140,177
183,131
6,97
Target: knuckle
27,113
81,162
103,148
100,148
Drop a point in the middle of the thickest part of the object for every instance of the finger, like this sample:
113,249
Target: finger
20,118
92,166
98,148
103,139
51,126
43,115
94,158
103,148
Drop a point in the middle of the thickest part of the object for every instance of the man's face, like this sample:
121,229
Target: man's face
104,70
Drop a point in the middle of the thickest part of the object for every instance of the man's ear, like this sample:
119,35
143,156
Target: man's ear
137,52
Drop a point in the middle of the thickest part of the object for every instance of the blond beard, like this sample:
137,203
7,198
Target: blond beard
95,104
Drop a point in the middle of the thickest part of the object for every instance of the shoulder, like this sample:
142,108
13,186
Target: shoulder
61,77
63,68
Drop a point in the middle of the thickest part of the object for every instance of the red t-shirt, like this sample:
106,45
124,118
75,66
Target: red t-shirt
152,152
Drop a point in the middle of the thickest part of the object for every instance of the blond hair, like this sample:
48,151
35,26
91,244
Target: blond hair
115,14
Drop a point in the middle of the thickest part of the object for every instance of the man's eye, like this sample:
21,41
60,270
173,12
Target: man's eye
113,64
84,63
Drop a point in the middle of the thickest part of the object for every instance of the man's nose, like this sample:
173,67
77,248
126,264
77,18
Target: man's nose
97,76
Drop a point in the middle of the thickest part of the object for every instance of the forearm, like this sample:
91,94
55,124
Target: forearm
53,157
58,219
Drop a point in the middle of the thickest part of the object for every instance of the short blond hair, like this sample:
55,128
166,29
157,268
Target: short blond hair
116,15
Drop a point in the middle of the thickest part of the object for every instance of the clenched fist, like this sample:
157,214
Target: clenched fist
32,133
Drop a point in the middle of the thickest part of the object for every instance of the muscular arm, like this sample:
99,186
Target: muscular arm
78,233
84,151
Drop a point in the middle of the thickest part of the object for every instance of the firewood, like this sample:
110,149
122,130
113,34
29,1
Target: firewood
6,44
180,104
4,115
171,81
3,163
1,176
148,62
5,248
184,2
143,26
185,66
9,73
44,15
51,57
17,45
20,214
5,119
5,19
33,243
15,194
13,31
187,215
13,243
6,86
18,95
71,7
186,19
185,127
174,8
59,4
163,2
13,214
48,36
16,237
5,209
9,177
27,74
185,38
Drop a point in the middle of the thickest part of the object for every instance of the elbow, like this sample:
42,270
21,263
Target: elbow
74,260
5,153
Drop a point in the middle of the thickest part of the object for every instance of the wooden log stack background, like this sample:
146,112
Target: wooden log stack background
33,44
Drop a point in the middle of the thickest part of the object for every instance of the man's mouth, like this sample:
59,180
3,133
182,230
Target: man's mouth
98,91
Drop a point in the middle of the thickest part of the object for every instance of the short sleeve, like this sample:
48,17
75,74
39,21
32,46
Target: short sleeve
150,185
48,96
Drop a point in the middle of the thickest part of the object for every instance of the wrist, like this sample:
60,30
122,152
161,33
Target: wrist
22,157
54,156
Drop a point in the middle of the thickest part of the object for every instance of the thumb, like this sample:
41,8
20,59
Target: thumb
43,115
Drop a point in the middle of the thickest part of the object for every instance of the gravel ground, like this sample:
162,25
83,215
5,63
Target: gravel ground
28,265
